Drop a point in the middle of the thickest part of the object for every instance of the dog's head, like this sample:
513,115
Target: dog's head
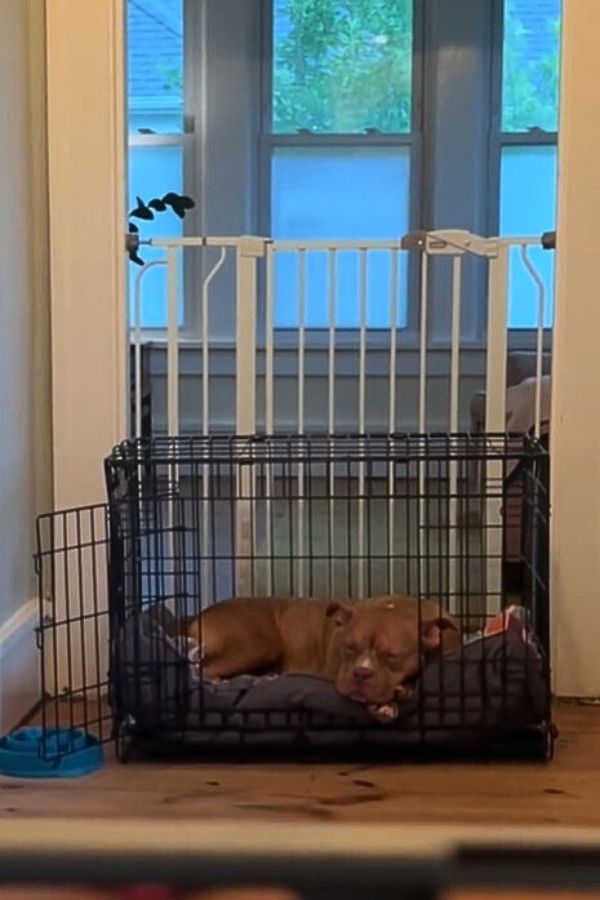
383,643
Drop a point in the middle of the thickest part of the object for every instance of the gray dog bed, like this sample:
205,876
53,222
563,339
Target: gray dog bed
495,683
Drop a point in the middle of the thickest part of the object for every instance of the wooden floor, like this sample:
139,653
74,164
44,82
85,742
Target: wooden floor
565,792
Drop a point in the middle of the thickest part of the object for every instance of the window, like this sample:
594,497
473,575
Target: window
342,67
155,108
529,114
339,137
343,119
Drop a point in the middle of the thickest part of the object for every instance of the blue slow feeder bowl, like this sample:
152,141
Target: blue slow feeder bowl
57,753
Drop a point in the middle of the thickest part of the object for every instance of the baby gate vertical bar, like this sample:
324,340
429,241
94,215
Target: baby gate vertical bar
421,519
205,350
362,366
301,306
392,410
454,412
204,340
332,310
495,411
423,342
539,350
269,403
331,314
455,343
495,422
248,250
172,410
269,350
137,341
172,344
137,338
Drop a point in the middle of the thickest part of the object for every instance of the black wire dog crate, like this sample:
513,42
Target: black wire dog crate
192,521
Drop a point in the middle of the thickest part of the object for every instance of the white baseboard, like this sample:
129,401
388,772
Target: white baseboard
19,666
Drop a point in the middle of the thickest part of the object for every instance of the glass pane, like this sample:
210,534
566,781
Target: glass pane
527,207
153,172
530,65
155,65
342,66
333,194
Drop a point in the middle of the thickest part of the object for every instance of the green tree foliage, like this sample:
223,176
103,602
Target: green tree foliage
530,84
172,77
342,66
345,66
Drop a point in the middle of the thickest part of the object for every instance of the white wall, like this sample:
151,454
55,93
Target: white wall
575,550
25,439
25,444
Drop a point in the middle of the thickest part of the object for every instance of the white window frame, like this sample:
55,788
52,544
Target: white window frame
519,338
270,141
187,140
437,153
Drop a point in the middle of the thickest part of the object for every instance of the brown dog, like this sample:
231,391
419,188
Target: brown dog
373,650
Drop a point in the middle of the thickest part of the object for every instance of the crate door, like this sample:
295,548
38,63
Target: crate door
73,634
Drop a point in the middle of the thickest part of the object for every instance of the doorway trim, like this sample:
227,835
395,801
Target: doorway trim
86,180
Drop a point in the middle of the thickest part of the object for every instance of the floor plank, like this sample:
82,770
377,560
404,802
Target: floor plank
565,792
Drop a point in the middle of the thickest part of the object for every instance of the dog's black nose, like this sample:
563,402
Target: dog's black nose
362,674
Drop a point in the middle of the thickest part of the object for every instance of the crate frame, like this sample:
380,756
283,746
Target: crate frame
143,475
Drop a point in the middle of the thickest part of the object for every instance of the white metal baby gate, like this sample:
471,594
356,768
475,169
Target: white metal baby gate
257,285
257,288
267,353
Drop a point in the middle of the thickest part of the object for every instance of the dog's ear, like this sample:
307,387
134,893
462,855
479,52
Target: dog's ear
433,625
341,613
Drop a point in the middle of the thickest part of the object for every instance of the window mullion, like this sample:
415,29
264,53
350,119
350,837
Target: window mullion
457,130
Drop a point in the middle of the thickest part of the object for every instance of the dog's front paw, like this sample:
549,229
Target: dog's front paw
384,712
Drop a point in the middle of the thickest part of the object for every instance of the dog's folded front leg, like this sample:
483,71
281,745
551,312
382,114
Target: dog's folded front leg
228,650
